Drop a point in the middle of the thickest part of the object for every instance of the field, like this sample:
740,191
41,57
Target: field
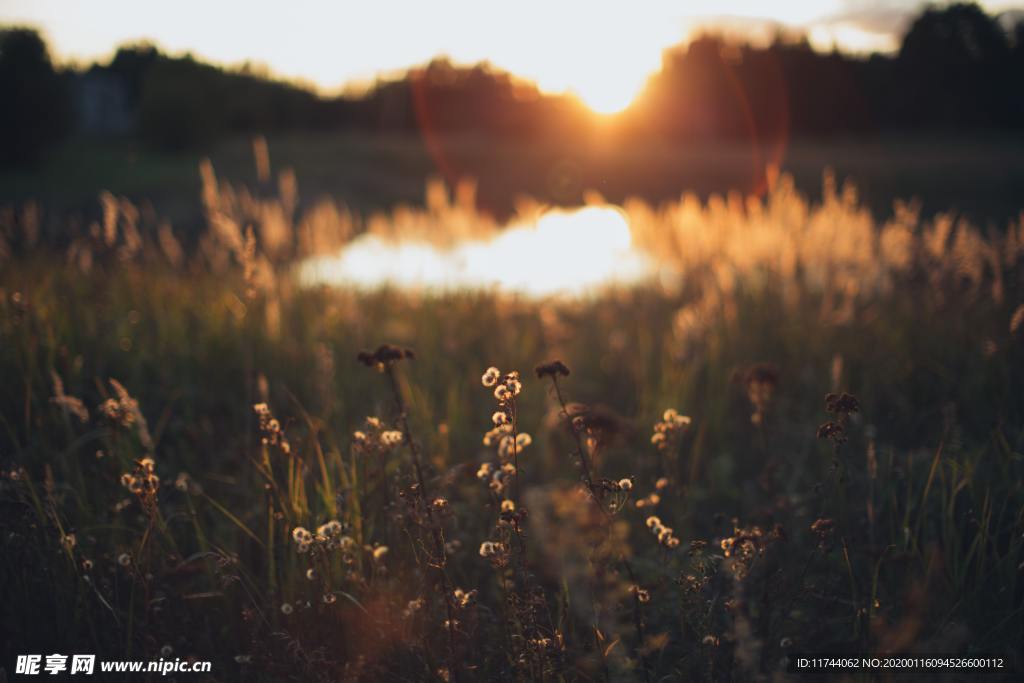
980,177
809,439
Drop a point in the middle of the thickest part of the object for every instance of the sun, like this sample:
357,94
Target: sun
608,96
611,70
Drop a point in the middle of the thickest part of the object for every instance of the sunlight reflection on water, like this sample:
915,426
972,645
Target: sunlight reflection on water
563,252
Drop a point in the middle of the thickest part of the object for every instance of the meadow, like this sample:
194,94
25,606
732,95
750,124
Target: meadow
970,174
808,439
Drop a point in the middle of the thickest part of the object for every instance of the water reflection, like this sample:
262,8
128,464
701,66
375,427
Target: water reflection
563,252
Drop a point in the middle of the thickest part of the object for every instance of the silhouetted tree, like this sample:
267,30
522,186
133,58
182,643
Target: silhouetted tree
35,112
953,68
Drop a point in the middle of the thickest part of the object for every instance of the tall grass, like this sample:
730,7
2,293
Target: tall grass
196,465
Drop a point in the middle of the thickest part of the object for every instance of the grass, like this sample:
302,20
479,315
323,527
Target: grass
358,525
975,176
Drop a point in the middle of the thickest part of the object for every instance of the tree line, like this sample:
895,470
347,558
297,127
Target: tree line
957,69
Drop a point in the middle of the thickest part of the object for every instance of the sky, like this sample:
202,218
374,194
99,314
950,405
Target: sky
601,51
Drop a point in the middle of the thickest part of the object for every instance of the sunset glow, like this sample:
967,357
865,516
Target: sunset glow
564,252
601,53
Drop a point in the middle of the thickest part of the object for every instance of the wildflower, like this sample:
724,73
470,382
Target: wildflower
786,643
490,377
329,529
379,552
490,548
485,470
330,598
497,434
270,429
68,541
385,356
87,565
523,440
661,532
440,504
183,482
841,404
541,643
391,438
759,381
668,431
463,599
287,608
649,501
505,388
508,506
310,574
143,481
166,651
554,369
375,439
124,559
414,606
303,539
499,418
710,640
642,596
661,483
625,484
823,528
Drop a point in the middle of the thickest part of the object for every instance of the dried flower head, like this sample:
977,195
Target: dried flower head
490,377
841,404
669,430
823,528
271,432
463,599
490,548
143,482
642,595
759,381
385,356
554,369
